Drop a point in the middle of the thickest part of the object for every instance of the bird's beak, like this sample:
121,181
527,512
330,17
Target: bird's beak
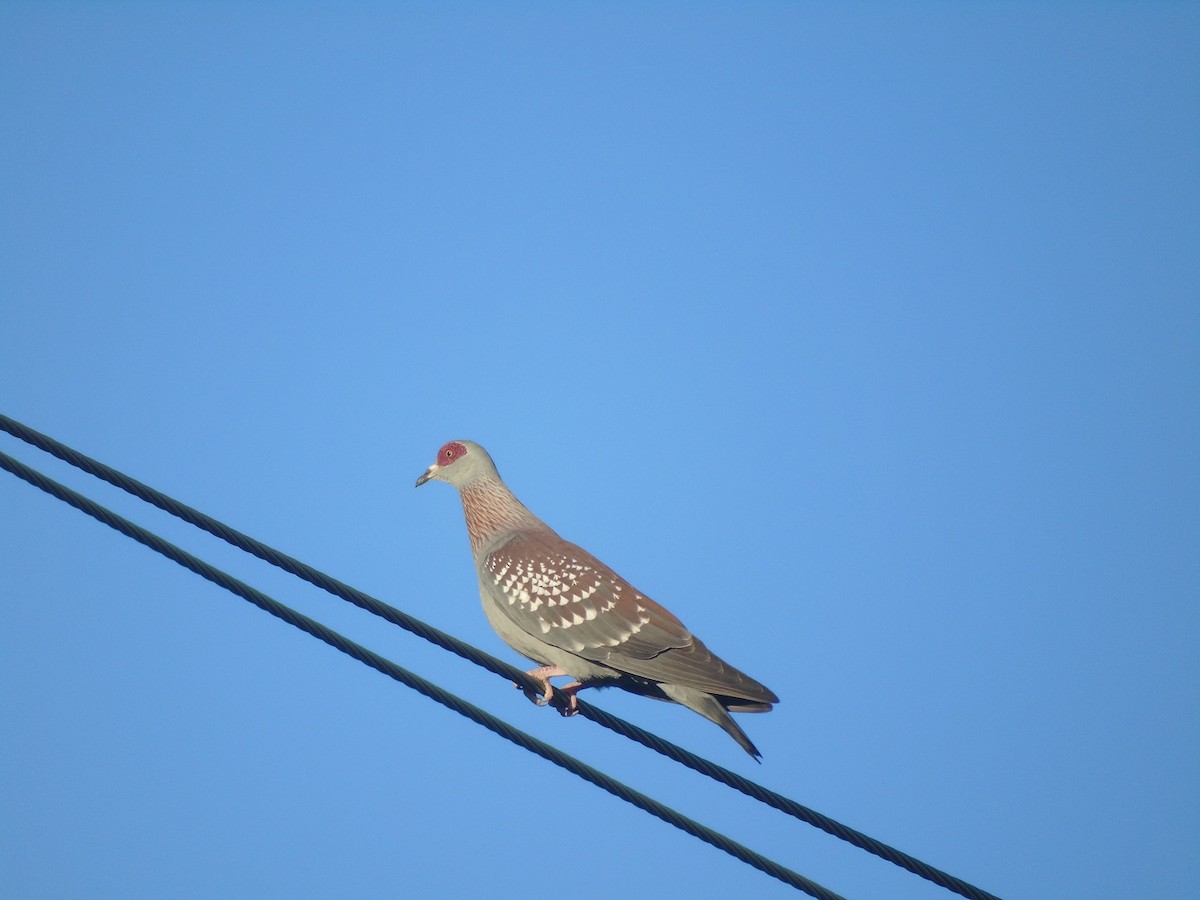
429,473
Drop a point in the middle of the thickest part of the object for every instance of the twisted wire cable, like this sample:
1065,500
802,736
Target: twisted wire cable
487,661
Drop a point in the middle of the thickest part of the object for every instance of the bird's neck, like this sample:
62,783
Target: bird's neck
492,509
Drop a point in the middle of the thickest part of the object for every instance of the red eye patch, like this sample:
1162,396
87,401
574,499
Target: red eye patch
450,452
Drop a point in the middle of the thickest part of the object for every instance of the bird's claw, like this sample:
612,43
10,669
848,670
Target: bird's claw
563,699
542,699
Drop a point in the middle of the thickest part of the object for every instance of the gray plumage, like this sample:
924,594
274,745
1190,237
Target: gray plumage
558,605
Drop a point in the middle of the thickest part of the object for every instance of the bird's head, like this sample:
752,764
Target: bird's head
459,463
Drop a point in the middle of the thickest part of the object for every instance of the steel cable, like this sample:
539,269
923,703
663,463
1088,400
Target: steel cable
487,661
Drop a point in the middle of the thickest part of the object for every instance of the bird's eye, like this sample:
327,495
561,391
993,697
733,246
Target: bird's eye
449,453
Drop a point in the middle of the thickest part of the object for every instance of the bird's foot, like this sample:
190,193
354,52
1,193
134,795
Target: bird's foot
571,708
540,698
542,676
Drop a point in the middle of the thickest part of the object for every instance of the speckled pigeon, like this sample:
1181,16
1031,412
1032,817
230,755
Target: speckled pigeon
560,606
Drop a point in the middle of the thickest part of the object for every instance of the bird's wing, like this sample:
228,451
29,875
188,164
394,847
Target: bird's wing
561,594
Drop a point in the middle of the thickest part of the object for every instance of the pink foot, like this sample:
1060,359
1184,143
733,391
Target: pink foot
569,691
542,675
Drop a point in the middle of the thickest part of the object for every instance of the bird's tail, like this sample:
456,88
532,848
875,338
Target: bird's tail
713,710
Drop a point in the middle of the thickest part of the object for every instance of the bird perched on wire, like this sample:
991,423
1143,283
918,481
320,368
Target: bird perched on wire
558,605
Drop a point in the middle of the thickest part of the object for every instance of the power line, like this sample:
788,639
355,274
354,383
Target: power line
487,661
417,683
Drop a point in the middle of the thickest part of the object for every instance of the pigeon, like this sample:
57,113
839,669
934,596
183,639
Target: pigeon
560,606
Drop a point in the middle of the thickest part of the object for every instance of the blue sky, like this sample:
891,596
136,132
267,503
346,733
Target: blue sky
866,338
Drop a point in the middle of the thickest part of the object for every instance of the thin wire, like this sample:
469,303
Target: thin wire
487,661
417,683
